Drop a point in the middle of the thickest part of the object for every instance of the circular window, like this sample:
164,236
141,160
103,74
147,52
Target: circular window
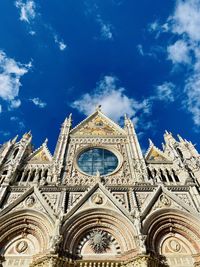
97,159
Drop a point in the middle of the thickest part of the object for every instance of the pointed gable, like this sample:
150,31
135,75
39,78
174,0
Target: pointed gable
163,198
98,197
97,124
31,199
155,155
40,155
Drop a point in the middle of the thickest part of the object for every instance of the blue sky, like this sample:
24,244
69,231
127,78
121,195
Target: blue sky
136,57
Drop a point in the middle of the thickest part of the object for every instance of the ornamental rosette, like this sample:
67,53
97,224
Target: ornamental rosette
99,241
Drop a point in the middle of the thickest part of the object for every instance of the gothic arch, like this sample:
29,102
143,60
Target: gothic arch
24,234
174,234
118,227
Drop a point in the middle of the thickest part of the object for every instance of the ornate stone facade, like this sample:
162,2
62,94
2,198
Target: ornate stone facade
98,201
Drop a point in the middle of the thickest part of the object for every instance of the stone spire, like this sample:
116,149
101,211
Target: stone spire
61,146
138,166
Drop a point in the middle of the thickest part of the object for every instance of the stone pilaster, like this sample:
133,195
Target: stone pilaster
196,258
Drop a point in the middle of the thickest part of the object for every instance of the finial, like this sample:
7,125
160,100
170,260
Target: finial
98,174
98,108
14,139
98,177
45,141
166,132
27,135
150,142
180,138
163,146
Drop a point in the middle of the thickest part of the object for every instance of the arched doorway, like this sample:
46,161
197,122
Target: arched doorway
177,250
175,235
23,234
97,236
19,251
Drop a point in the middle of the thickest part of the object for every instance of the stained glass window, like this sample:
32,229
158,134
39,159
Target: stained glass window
97,159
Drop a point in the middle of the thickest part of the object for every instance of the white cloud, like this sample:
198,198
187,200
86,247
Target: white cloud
105,28
14,118
113,99
32,32
16,103
11,72
27,10
158,28
179,52
62,46
184,24
165,92
186,19
38,102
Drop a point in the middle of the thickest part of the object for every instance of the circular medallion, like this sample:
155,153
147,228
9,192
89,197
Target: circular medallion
97,199
175,245
30,201
165,200
21,246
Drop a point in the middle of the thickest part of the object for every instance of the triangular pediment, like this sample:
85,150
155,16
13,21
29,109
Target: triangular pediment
40,155
98,197
32,199
164,199
155,155
97,124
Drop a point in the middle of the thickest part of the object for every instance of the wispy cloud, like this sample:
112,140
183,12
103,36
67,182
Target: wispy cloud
11,72
105,29
28,15
62,46
27,10
110,95
165,92
4,133
17,121
38,102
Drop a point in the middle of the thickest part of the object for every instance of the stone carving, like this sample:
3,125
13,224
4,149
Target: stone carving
175,245
65,189
30,201
99,241
56,238
97,126
165,201
21,246
97,199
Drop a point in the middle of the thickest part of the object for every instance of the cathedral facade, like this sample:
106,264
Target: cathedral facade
98,201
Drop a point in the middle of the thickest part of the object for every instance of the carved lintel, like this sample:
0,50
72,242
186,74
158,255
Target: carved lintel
144,260
51,261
